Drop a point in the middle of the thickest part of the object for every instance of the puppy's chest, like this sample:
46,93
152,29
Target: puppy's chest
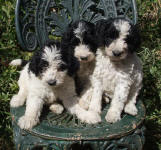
107,74
109,78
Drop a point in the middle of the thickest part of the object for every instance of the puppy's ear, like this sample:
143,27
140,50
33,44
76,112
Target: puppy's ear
89,36
34,63
102,29
133,40
69,59
67,36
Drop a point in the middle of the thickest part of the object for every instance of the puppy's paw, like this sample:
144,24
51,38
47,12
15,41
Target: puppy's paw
106,99
16,101
131,109
96,109
27,122
57,108
91,118
112,116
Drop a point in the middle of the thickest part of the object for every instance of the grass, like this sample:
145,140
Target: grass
150,53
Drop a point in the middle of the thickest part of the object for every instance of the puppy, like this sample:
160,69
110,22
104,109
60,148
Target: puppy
44,79
80,39
118,70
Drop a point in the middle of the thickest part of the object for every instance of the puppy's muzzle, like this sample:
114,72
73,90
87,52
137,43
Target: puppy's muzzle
52,82
116,53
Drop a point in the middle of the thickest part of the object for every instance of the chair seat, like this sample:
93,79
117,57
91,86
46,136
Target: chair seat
68,127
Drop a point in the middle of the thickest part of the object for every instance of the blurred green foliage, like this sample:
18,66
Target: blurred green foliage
150,53
150,24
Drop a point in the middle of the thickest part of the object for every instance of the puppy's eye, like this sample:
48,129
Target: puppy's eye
108,41
62,67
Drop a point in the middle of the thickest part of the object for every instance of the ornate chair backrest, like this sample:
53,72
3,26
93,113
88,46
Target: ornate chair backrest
40,20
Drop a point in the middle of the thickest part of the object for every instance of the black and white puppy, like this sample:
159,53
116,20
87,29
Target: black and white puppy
80,39
46,78
118,70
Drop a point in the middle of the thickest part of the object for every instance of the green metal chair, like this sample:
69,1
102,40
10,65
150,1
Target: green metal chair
40,20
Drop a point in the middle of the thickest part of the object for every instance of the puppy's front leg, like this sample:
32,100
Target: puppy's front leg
130,106
34,106
121,93
70,101
73,107
85,98
96,101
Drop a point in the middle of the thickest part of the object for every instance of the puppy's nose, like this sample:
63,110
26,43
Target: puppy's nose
84,58
52,82
116,53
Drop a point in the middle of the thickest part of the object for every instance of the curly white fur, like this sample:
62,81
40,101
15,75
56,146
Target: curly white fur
119,76
36,91
121,81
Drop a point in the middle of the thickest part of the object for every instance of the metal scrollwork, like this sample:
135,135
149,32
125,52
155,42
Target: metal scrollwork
119,8
29,37
53,18
127,9
25,24
108,7
40,20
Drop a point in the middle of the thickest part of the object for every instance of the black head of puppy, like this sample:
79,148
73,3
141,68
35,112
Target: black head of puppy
80,39
49,64
118,36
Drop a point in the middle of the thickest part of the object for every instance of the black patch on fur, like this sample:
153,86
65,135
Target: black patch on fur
24,62
78,86
106,32
71,61
89,36
62,67
37,65
133,40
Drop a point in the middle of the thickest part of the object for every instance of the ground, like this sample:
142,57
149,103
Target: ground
150,53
